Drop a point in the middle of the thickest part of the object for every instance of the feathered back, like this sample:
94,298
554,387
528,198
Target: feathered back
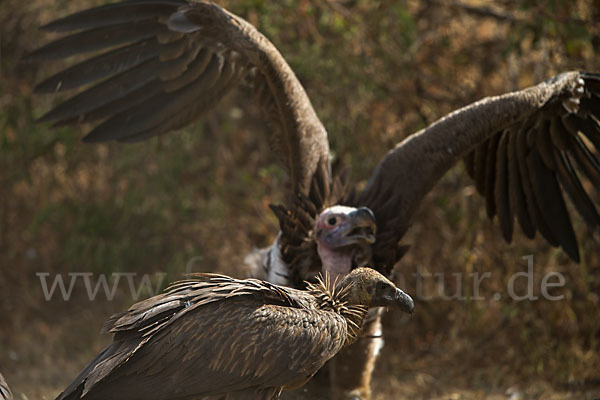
149,316
209,335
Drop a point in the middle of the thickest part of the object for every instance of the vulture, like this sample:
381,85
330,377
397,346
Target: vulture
155,66
5,393
213,336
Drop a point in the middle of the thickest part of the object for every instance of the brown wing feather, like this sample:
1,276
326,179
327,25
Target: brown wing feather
516,193
517,147
210,336
165,63
501,190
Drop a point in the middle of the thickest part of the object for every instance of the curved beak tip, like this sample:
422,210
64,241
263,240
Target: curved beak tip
405,302
366,216
363,225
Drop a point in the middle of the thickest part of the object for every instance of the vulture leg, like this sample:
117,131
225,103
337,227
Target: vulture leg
352,368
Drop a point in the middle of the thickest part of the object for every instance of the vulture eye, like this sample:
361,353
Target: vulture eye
332,221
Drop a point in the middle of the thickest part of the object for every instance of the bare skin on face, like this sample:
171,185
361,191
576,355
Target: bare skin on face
344,237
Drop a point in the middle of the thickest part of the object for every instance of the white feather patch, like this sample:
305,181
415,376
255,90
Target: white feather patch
179,22
278,272
266,264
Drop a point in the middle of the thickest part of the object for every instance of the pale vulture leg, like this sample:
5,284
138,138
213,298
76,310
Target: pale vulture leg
352,368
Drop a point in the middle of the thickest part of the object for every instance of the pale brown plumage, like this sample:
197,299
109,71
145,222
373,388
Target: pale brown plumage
178,58
214,335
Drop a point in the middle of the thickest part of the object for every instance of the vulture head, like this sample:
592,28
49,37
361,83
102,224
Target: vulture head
344,236
365,286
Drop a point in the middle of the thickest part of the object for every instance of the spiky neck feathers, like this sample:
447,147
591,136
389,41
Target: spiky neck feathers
332,297
360,289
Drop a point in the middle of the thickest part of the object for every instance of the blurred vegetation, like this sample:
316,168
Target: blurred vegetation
376,71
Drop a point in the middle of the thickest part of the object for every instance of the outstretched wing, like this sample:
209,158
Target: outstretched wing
158,65
210,336
523,149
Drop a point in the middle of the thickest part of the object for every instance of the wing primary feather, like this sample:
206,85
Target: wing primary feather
543,142
134,98
501,189
323,179
490,175
518,203
315,194
112,14
591,104
593,87
527,183
589,128
480,167
144,116
183,110
572,185
586,160
97,39
559,135
553,211
104,92
99,67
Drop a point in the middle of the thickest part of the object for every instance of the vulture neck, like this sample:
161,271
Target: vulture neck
333,298
335,263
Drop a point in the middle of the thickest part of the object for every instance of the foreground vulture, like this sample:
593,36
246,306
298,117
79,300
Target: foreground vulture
218,336
158,65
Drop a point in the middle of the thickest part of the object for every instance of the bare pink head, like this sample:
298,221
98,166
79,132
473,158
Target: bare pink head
344,236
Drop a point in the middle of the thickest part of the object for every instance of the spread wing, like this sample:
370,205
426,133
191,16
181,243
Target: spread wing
211,336
523,149
157,65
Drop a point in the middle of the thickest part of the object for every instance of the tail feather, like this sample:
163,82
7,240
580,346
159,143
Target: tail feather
100,367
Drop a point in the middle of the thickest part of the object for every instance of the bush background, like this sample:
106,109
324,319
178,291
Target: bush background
375,71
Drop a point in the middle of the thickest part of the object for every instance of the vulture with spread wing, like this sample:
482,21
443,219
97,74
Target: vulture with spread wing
215,336
158,65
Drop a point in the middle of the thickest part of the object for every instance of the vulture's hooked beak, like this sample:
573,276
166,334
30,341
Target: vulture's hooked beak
395,298
368,287
362,226
402,301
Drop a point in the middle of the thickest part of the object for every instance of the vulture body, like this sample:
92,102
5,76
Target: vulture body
218,336
166,62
